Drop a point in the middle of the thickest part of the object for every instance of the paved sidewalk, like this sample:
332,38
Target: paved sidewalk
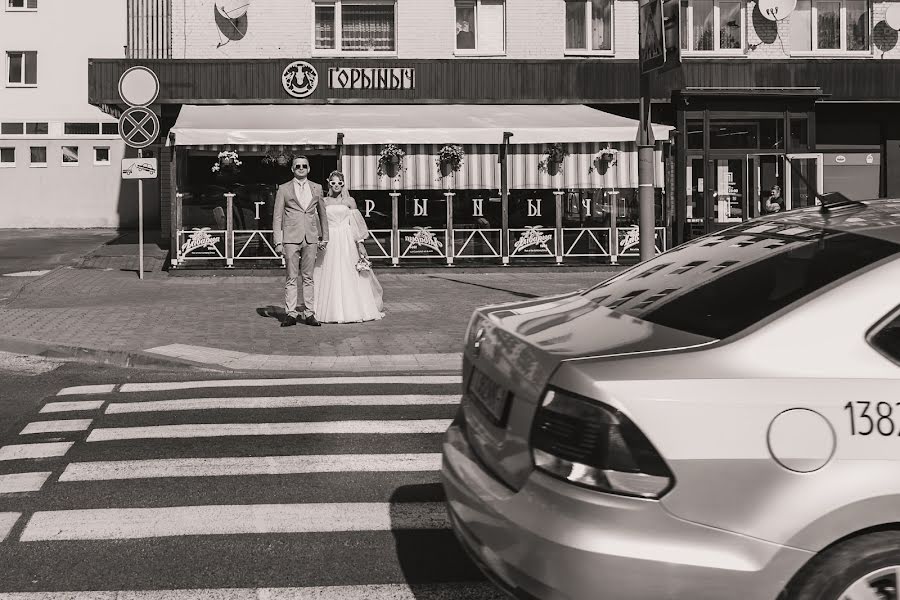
107,314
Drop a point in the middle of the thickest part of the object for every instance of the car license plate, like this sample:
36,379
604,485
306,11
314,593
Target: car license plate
492,398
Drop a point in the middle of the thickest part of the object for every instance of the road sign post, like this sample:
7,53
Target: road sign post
660,50
139,128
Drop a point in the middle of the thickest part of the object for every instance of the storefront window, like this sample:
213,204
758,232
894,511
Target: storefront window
799,135
477,222
377,210
532,224
423,224
726,136
695,134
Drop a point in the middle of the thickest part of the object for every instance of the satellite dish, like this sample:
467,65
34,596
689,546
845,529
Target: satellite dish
776,10
232,9
892,16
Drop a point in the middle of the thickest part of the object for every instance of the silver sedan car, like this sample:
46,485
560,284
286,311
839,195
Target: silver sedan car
722,421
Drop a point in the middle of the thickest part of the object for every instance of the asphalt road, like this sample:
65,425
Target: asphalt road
296,487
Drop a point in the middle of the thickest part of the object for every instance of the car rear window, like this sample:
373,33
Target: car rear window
717,286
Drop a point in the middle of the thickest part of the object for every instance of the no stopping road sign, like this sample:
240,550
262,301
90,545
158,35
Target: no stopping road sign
139,127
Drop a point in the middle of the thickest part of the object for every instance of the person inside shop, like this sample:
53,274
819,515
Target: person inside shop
300,230
775,202
347,290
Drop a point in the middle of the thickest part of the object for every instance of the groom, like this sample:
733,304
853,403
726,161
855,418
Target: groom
300,230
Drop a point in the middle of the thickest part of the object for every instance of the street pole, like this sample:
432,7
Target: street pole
645,144
140,223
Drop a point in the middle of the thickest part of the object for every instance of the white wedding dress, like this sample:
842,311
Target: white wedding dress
343,294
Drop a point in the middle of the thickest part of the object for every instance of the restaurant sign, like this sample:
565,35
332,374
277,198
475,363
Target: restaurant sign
371,78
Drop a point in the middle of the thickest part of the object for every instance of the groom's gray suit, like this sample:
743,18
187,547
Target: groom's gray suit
299,229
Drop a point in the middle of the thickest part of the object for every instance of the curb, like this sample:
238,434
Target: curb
140,359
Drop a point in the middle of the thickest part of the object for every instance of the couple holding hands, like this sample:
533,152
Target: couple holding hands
321,237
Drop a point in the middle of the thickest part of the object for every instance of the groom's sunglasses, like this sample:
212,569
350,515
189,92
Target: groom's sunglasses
296,167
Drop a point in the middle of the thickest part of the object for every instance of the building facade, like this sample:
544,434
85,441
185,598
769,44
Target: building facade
59,155
764,114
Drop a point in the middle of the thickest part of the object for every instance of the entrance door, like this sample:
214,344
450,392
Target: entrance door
767,175
804,172
727,193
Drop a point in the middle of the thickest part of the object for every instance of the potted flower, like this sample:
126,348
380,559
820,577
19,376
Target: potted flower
390,161
274,157
604,159
553,159
450,159
227,162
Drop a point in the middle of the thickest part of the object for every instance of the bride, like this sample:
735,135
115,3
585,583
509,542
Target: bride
343,293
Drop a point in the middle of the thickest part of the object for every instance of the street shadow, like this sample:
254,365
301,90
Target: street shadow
428,558
272,312
488,287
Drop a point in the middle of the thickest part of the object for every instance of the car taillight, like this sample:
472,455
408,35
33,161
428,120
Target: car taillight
593,445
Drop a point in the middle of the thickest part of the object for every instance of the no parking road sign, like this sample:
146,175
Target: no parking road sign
139,127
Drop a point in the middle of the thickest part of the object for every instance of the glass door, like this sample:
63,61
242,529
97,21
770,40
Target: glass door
804,174
695,209
766,189
727,197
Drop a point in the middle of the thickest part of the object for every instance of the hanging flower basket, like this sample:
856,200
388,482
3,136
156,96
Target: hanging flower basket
275,157
390,161
449,159
553,159
227,162
604,159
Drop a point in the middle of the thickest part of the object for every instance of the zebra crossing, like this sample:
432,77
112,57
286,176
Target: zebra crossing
320,487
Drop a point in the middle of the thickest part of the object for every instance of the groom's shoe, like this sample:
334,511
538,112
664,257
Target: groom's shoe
311,320
289,321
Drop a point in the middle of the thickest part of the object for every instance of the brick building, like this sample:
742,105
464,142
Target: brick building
803,103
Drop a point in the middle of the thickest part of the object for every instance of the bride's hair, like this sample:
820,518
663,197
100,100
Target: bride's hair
339,175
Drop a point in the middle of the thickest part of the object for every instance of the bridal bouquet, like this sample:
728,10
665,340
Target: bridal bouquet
363,264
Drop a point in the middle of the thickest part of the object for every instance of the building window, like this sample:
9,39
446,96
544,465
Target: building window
110,128
101,155
355,27
12,128
70,156
81,128
37,128
21,5
21,68
480,26
7,157
589,25
712,26
38,156
830,26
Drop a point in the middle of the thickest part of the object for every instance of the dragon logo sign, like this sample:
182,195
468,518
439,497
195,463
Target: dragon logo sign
300,79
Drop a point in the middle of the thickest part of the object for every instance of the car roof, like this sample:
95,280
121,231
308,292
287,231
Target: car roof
878,218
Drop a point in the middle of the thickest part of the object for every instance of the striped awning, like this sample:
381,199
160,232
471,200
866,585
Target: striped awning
576,170
262,148
481,170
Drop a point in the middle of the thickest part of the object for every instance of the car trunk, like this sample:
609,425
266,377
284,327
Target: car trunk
512,352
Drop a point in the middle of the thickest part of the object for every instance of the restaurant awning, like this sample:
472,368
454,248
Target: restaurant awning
319,124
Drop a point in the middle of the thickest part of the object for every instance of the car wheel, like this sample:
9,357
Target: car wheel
864,568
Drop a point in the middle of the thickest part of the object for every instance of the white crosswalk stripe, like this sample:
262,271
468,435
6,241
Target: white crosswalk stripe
299,461
248,465
277,402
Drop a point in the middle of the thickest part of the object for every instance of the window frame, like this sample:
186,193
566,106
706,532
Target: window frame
842,51
476,51
338,49
103,163
38,165
8,165
62,156
23,8
688,40
588,18
21,84
878,328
